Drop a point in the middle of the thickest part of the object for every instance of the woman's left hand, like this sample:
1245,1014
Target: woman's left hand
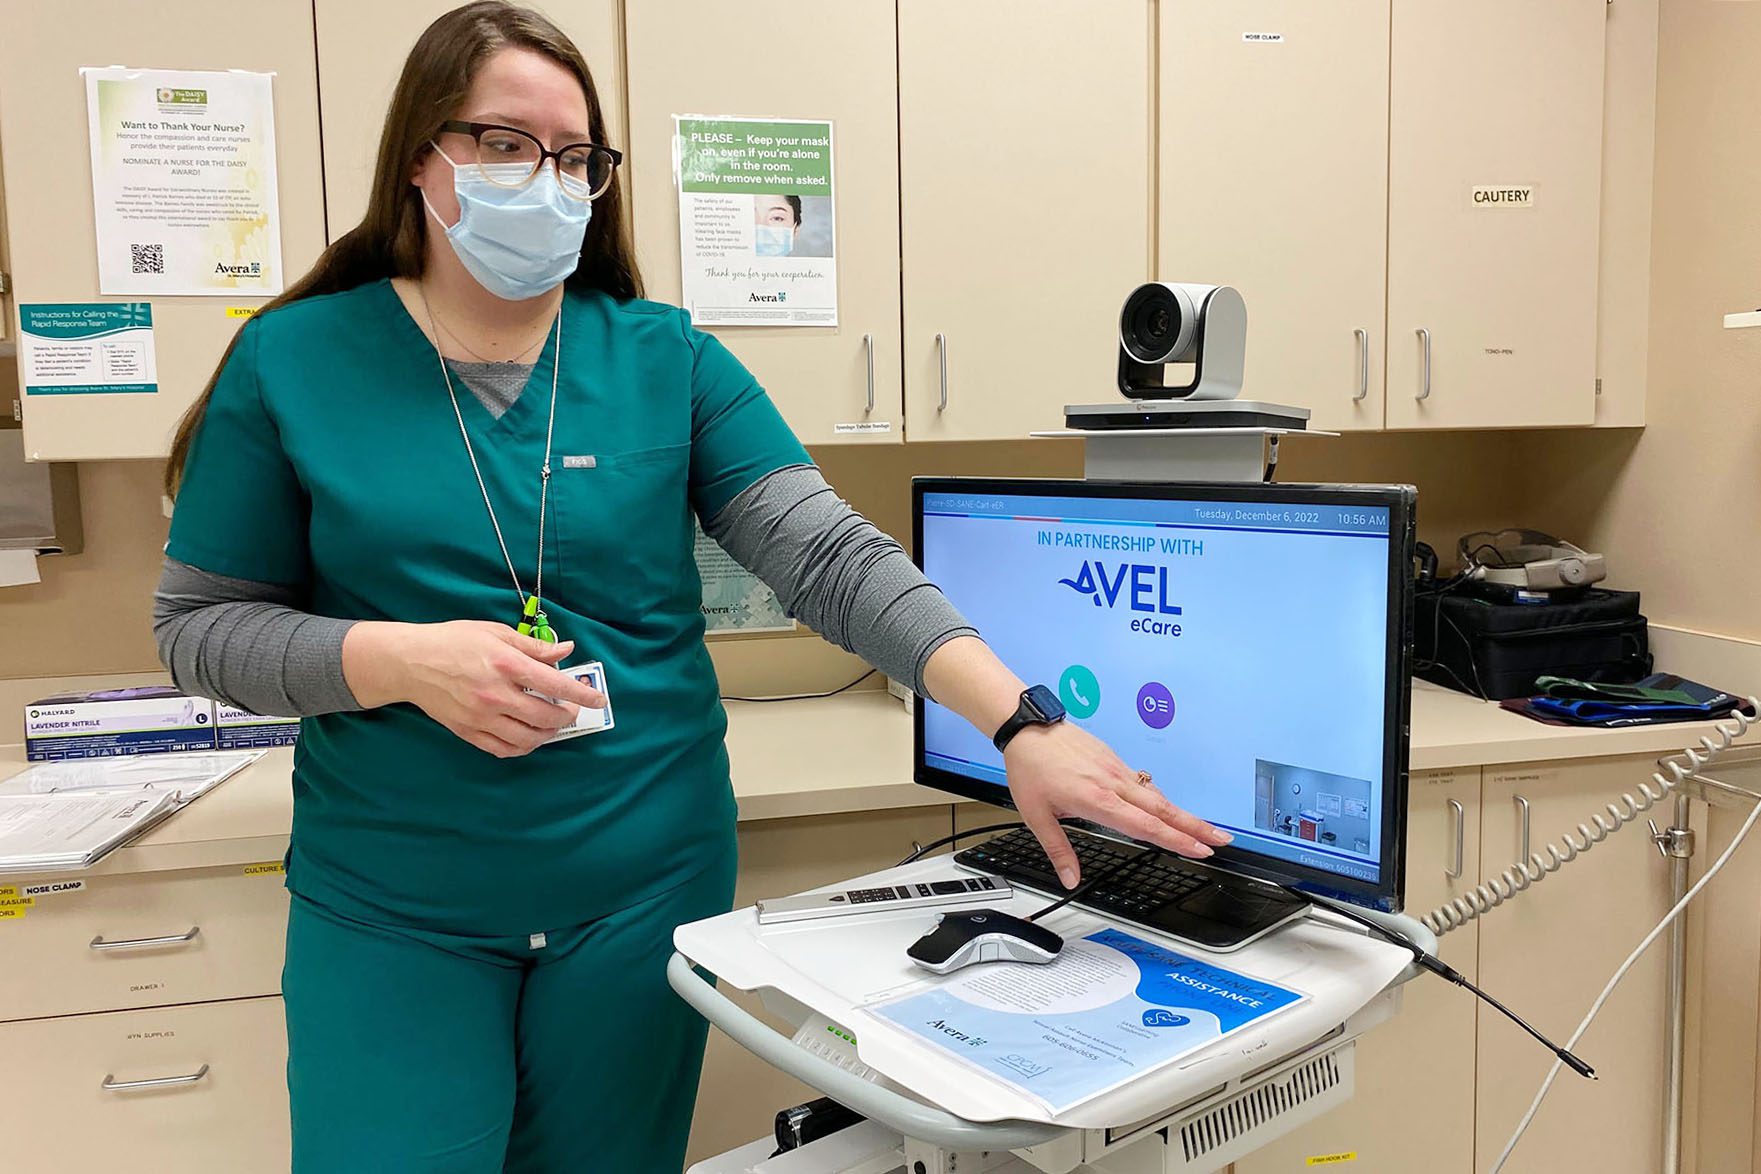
1062,771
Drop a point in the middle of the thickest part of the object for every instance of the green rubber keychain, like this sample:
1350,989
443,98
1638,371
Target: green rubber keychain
535,623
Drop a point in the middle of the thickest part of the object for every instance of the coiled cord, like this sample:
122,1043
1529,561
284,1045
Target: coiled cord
1486,897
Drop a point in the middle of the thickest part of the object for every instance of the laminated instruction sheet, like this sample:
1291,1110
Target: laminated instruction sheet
1110,1009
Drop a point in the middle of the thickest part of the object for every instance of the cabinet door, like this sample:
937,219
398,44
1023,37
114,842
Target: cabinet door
1414,1104
361,51
740,1093
1547,955
43,130
837,63
1026,199
1494,194
1274,179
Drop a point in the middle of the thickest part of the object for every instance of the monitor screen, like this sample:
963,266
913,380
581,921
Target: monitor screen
1245,644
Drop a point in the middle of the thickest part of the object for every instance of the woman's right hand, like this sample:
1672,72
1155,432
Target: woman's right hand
471,676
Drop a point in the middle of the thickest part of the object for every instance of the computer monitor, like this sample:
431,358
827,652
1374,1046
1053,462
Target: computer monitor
1246,644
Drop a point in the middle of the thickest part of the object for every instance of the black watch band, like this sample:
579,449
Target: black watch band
1039,707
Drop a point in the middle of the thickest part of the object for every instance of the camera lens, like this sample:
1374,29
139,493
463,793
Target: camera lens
1150,324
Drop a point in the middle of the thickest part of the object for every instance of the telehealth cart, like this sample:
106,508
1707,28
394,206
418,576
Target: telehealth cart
930,1114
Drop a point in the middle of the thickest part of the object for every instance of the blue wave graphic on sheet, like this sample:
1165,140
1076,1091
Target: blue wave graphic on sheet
1111,1008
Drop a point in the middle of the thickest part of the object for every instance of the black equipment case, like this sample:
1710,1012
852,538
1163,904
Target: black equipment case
1496,650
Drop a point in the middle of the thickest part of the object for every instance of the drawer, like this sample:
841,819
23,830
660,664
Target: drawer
219,1102
124,942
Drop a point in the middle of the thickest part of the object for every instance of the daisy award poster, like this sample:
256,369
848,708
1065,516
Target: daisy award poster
183,182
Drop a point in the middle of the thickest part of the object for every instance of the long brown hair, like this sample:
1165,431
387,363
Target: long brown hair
390,240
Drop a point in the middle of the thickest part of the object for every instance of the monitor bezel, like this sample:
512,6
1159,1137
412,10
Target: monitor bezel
1388,892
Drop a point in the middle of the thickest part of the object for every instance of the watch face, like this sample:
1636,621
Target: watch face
1045,703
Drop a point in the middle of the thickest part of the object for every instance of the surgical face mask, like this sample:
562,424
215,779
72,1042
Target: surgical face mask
518,242
772,240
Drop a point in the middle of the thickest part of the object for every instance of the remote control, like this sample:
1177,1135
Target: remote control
916,895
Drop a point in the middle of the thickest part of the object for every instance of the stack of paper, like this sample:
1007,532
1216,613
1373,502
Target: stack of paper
67,815
49,833
189,776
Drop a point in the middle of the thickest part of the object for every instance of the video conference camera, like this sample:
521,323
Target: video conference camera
1169,322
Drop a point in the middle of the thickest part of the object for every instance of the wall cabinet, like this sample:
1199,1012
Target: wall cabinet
49,215
1492,302
839,63
1025,172
1326,161
1274,179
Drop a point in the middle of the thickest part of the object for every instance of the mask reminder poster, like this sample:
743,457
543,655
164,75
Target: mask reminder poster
1111,1008
756,223
183,182
734,599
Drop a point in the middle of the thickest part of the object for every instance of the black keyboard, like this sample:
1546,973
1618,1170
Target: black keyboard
1206,906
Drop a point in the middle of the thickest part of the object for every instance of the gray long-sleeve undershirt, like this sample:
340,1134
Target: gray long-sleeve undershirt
253,645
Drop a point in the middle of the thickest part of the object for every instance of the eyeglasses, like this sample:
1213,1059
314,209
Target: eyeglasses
510,157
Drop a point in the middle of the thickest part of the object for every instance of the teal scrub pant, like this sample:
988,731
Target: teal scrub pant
410,1050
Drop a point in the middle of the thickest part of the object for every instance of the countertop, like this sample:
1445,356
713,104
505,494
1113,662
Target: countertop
839,755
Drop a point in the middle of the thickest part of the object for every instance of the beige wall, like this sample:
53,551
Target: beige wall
1673,506
92,612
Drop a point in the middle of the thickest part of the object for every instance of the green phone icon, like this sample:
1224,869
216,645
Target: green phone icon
1080,691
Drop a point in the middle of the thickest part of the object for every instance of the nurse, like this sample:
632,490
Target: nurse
461,453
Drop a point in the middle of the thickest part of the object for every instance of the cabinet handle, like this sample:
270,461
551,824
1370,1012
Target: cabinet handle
942,358
1425,387
111,1084
1460,814
868,345
176,939
1522,806
1363,365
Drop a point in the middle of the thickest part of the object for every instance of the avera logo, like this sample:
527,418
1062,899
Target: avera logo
251,269
782,295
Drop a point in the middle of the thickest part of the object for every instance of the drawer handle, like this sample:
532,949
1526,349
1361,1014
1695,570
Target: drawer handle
176,939
1425,386
1522,807
111,1084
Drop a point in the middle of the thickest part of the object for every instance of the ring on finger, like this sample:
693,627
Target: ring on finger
1143,778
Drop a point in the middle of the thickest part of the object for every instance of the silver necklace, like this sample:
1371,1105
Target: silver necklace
533,622
437,324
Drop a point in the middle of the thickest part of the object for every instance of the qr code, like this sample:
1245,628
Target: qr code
147,258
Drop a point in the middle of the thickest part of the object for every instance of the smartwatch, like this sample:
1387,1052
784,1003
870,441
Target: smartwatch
1039,707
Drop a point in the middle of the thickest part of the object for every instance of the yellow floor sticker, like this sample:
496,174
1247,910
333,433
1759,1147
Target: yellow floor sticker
1332,1159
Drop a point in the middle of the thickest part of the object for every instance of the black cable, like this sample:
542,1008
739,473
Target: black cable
1428,961
1087,886
807,696
919,851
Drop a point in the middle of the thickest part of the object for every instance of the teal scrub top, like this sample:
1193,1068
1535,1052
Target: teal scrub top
330,460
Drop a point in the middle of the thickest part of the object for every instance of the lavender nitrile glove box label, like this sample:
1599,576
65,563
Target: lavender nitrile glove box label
240,729
105,723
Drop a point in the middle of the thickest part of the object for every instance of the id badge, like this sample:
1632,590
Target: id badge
588,721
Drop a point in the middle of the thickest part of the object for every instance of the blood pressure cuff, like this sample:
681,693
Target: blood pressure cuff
1654,700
